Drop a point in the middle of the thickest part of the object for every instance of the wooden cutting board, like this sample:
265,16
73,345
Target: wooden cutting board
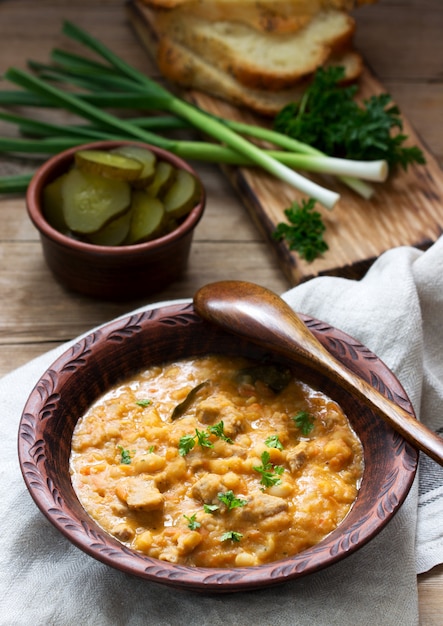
405,211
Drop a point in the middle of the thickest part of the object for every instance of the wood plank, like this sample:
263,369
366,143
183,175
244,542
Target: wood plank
28,312
15,355
401,39
406,210
430,597
422,103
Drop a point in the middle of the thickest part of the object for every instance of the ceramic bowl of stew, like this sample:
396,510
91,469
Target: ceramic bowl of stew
169,333
93,264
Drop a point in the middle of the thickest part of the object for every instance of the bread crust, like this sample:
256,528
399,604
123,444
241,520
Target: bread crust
183,67
267,16
261,60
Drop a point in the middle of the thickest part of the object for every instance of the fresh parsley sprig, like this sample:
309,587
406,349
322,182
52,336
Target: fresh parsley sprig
304,422
329,118
270,474
230,500
201,437
218,431
185,445
143,402
210,508
125,456
192,521
304,233
231,535
273,441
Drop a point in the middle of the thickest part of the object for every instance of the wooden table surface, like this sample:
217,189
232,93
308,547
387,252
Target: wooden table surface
401,41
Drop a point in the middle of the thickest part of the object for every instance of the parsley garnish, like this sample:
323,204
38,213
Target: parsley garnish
187,442
193,524
270,474
228,498
125,456
305,231
145,402
218,431
304,421
210,508
274,442
328,118
185,445
203,439
231,535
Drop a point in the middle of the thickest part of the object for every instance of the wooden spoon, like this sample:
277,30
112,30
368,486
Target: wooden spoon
263,317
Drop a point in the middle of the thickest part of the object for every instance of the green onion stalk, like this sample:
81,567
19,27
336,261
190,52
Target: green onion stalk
129,88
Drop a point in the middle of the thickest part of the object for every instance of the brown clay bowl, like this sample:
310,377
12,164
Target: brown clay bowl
123,347
111,272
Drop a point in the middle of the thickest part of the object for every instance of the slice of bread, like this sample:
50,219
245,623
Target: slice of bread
266,19
261,60
184,67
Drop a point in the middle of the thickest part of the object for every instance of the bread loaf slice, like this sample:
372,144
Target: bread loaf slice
184,67
280,19
278,16
261,60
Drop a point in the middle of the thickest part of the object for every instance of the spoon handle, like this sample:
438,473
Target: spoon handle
263,317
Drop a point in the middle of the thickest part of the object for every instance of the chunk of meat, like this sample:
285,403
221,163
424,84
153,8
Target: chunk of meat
218,407
210,409
123,532
261,506
233,423
207,488
140,494
174,471
297,457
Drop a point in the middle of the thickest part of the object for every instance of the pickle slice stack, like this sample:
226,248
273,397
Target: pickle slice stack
119,197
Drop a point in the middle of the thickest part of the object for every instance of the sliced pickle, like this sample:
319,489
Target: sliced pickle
146,157
114,233
53,205
90,201
163,179
182,195
119,197
108,164
148,218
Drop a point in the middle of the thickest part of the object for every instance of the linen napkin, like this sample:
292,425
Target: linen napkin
396,311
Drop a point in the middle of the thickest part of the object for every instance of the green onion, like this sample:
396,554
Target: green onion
115,84
256,155
205,122
53,141
15,184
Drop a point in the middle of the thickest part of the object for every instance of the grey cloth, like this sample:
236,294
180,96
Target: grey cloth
396,311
